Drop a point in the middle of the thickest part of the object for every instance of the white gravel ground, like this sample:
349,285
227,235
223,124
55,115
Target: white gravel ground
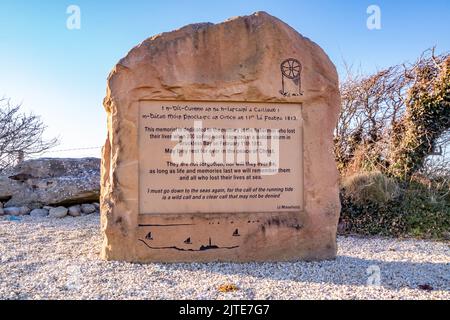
44,258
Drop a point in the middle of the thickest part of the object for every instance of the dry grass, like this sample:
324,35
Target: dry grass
370,187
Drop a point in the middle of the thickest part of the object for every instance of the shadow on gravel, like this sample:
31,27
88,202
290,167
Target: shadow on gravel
344,270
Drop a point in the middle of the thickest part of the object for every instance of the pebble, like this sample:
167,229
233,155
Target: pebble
87,208
60,260
39,213
58,212
24,210
12,211
75,211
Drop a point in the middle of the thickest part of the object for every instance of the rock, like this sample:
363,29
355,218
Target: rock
24,210
39,213
342,227
243,59
47,207
1,204
17,211
75,211
97,206
2,212
58,212
87,208
12,211
446,235
8,187
51,181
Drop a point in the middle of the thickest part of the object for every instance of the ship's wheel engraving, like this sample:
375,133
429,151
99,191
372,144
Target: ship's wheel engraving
291,69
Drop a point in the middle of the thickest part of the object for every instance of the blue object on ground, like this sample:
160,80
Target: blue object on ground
14,218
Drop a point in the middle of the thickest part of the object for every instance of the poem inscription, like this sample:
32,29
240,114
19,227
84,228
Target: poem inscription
220,157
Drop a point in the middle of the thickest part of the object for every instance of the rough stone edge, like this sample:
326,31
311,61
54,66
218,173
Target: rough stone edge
109,179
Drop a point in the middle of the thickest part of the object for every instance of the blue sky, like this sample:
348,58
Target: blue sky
60,74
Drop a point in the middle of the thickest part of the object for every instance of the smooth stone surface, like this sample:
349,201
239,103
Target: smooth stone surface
87,208
58,212
12,211
75,211
36,213
24,210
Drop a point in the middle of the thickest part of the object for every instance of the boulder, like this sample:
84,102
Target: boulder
256,58
39,213
87,208
75,211
58,212
51,181
8,187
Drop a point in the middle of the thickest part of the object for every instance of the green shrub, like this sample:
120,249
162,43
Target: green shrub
427,212
374,205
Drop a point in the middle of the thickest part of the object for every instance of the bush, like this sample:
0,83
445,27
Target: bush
373,204
427,211
392,125
393,120
370,187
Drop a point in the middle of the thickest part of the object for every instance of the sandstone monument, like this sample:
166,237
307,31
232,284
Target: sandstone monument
220,146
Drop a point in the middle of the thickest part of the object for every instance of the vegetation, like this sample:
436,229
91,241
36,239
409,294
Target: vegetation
390,145
373,204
